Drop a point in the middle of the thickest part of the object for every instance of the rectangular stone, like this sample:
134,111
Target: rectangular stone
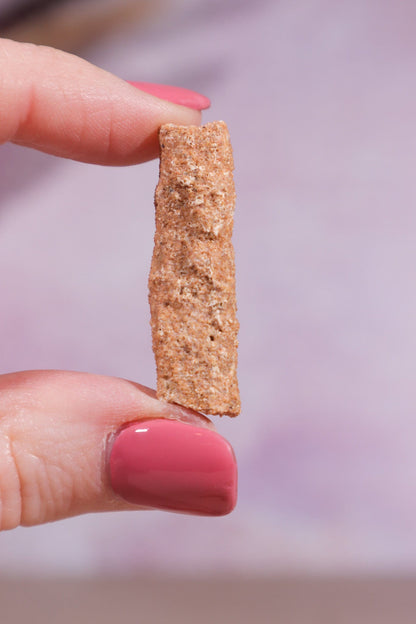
192,277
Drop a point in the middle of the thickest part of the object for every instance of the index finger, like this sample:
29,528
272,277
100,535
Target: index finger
61,104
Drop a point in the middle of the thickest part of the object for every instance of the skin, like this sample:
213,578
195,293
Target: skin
55,425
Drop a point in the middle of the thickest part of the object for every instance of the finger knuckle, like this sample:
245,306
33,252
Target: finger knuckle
29,485
10,487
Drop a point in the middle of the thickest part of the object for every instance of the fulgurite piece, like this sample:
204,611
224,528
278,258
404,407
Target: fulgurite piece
192,277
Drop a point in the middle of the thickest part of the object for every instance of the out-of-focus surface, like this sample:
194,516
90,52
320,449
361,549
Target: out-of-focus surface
70,24
320,100
302,600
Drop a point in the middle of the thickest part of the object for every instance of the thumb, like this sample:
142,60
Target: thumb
73,443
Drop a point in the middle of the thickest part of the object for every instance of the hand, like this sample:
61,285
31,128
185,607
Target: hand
73,443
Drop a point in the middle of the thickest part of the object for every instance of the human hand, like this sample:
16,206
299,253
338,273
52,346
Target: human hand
72,443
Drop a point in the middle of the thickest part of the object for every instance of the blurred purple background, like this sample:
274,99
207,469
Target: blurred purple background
320,100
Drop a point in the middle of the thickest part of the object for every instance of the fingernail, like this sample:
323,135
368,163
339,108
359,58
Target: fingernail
171,465
177,95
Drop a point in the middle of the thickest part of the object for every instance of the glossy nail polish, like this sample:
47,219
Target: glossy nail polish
177,95
171,465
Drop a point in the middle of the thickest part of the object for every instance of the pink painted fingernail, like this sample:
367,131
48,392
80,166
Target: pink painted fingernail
171,465
177,95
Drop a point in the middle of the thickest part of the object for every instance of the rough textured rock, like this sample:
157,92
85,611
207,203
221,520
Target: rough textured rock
192,277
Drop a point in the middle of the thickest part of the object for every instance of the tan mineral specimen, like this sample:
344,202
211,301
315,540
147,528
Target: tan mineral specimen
192,277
